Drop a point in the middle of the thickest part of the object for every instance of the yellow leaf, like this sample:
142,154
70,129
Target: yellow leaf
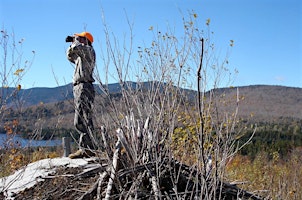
18,71
208,21
151,28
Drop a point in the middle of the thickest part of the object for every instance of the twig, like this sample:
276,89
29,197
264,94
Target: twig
124,142
200,109
105,140
100,181
94,169
56,176
154,187
90,193
113,170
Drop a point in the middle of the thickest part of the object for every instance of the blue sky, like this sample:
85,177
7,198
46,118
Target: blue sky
267,34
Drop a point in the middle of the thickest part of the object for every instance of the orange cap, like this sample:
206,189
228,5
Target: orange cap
86,35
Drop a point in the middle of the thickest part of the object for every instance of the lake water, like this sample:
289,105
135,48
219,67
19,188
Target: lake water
8,140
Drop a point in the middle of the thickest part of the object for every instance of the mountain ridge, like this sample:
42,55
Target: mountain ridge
263,101
36,95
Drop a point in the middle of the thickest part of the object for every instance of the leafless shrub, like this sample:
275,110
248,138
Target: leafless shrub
151,107
12,70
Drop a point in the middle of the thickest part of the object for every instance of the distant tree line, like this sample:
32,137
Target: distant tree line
274,137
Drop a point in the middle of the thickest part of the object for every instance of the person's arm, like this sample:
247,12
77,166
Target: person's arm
74,51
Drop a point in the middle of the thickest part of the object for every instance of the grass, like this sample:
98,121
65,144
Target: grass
275,178
13,159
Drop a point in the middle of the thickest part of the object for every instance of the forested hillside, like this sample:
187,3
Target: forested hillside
276,111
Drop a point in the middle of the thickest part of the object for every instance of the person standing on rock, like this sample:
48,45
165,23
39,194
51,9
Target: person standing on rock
82,54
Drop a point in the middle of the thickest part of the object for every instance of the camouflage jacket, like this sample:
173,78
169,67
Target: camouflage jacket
83,56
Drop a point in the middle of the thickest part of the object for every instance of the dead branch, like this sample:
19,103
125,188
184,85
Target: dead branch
113,169
99,185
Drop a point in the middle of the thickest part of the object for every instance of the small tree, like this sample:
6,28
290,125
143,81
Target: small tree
12,70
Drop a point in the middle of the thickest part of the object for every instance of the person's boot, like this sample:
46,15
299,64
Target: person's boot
78,154
82,154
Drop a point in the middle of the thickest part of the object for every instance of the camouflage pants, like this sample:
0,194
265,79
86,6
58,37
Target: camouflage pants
84,94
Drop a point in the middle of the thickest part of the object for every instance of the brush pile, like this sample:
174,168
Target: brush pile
123,174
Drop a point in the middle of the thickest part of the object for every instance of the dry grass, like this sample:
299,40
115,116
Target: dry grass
276,178
15,158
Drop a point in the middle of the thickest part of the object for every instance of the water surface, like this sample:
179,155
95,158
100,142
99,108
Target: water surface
17,141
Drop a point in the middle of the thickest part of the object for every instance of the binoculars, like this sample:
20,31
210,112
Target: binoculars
69,39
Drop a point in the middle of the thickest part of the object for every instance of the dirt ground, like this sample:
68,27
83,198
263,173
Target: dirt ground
64,184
